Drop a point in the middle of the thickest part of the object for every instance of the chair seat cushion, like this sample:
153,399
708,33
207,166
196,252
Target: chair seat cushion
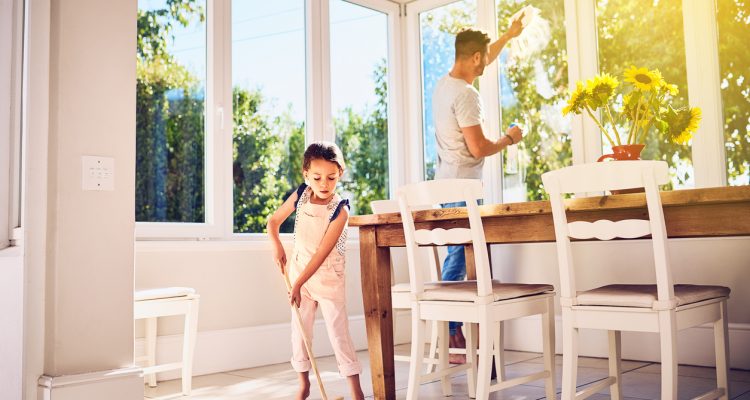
644,296
467,290
162,293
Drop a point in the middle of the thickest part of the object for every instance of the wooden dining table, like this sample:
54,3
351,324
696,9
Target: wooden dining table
709,212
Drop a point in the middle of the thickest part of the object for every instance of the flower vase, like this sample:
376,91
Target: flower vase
622,153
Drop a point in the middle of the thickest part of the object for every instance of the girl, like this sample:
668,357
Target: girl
317,263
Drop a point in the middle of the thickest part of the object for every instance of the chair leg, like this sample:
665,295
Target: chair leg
487,331
471,359
188,346
668,338
615,364
433,352
548,338
417,353
570,355
151,349
499,351
721,345
443,337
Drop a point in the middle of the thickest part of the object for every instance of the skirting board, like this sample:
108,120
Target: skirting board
233,349
695,346
120,384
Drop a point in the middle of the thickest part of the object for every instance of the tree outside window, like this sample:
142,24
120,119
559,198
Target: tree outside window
632,33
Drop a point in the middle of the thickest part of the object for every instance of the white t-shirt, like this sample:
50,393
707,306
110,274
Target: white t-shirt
455,105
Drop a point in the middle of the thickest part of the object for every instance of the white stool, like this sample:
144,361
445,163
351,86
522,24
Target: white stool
153,303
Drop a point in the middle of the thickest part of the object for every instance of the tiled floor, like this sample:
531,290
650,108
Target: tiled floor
641,380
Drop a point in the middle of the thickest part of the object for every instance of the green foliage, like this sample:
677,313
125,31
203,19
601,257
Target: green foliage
632,33
169,123
734,63
364,142
267,155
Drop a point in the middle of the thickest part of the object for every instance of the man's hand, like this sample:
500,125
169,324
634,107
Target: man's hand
515,133
516,27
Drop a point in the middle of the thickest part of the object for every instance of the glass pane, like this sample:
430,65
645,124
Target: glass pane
734,62
533,89
632,33
438,28
268,85
359,97
170,111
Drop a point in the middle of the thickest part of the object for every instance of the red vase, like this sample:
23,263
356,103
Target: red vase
624,152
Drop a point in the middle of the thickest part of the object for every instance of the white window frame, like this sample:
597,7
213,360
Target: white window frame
11,67
405,136
214,152
319,118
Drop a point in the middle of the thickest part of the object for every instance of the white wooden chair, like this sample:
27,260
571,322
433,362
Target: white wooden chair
663,307
151,304
400,294
482,301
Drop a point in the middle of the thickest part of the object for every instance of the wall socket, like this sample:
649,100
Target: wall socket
98,173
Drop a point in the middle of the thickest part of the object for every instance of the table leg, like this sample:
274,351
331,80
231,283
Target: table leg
376,296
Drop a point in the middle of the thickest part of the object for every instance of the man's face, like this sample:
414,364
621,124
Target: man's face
481,59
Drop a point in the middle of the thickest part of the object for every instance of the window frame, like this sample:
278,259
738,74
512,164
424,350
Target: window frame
405,100
318,121
11,68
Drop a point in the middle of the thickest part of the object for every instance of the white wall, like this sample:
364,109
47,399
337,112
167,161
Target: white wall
89,267
11,319
242,292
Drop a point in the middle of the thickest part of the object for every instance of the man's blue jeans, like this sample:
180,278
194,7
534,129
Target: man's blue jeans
454,267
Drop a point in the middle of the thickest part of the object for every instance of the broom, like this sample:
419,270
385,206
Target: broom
308,345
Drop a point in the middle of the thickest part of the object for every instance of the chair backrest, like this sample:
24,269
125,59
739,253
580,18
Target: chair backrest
433,263
423,195
598,177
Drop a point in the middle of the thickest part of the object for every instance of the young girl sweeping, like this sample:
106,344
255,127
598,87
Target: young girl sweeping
316,267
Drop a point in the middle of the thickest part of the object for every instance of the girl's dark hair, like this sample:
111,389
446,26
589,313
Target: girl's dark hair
323,151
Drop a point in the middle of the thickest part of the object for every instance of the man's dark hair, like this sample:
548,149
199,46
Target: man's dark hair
470,41
323,151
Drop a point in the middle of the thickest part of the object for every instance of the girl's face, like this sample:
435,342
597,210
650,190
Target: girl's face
322,176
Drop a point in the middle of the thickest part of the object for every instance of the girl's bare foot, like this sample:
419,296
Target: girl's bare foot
304,386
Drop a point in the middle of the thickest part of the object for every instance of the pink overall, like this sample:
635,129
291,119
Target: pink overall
324,288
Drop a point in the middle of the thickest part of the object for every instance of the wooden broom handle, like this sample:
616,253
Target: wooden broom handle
308,345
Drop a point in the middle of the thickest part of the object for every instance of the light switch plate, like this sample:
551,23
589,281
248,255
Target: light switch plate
98,173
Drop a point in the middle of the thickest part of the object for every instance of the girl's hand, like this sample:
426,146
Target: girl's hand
279,257
294,296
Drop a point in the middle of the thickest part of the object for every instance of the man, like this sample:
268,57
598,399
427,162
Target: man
462,145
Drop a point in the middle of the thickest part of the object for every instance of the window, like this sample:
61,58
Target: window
438,28
268,96
170,116
359,99
734,64
533,90
632,33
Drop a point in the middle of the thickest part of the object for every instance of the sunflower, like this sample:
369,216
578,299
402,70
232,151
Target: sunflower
672,89
577,100
600,89
643,79
683,123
